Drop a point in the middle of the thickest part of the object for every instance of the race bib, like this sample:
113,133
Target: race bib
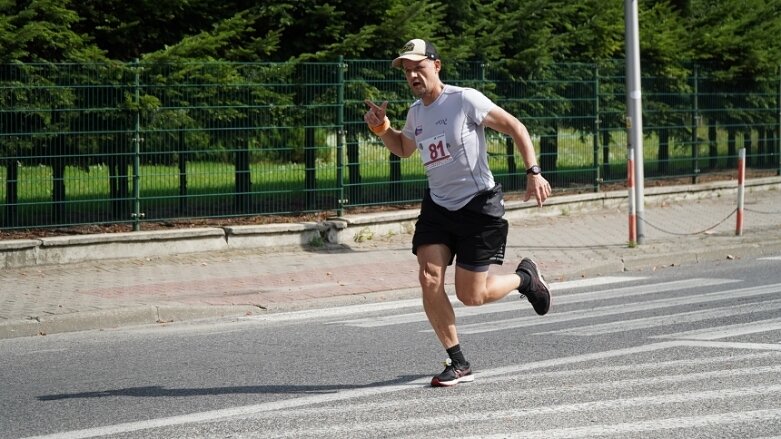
434,152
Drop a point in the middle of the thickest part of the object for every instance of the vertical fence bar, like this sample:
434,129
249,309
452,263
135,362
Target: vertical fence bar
778,128
741,190
514,178
136,214
597,123
694,126
340,134
11,191
630,183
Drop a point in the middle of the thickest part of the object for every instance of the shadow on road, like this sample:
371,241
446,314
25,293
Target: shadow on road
158,391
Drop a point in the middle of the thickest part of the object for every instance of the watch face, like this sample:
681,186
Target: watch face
534,170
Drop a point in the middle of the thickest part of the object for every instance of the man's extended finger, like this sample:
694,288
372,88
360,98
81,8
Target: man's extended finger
371,104
536,193
379,109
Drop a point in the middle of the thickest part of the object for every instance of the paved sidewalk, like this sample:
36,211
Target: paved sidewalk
568,244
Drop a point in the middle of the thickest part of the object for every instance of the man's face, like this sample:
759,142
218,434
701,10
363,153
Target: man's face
422,76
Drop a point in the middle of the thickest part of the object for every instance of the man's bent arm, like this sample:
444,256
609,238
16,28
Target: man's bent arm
500,120
398,143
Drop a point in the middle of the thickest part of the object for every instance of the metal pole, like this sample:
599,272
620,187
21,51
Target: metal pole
635,107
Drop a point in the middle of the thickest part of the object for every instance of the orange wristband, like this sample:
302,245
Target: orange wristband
382,128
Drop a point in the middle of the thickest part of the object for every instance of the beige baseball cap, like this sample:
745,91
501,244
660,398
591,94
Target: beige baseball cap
416,50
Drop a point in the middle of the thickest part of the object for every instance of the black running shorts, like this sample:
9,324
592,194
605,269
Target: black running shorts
476,234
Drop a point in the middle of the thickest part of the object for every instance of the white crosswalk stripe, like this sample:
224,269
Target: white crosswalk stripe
667,319
512,305
611,310
655,425
728,330
565,406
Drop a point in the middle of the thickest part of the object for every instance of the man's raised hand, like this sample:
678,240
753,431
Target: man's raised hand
376,114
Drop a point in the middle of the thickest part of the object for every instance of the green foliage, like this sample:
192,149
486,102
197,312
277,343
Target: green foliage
41,31
524,36
518,46
230,40
738,45
736,38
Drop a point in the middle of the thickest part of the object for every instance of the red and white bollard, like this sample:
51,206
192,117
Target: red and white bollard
741,190
630,183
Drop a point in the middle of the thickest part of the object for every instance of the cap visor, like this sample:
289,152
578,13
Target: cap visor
397,62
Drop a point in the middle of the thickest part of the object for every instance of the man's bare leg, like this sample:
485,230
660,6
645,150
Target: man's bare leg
475,288
432,260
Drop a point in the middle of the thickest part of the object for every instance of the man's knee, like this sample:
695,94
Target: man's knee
429,281
470,298
471,286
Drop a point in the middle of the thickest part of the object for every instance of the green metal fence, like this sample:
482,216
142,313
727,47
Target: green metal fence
140,142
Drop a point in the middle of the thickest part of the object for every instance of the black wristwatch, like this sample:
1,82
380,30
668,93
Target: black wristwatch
534,170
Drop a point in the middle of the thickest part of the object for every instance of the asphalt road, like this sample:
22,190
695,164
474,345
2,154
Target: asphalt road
690,351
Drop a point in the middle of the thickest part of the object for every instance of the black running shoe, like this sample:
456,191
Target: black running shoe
453,375
538,292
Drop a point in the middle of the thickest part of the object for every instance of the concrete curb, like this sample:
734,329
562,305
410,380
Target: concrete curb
339,230
361,227
683,257
274,235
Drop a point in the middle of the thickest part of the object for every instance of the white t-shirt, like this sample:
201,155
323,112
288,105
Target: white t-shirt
451,141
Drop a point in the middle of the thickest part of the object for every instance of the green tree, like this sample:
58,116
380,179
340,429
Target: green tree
667,70
35,35
131,29
737,44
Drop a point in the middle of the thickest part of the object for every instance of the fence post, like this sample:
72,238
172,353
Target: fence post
515,180
310,149
242,167
778,128
11,191
136,214
597,123
340,134
57,158
694,126
183,156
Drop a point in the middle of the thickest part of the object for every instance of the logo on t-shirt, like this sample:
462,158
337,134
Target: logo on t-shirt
418,130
